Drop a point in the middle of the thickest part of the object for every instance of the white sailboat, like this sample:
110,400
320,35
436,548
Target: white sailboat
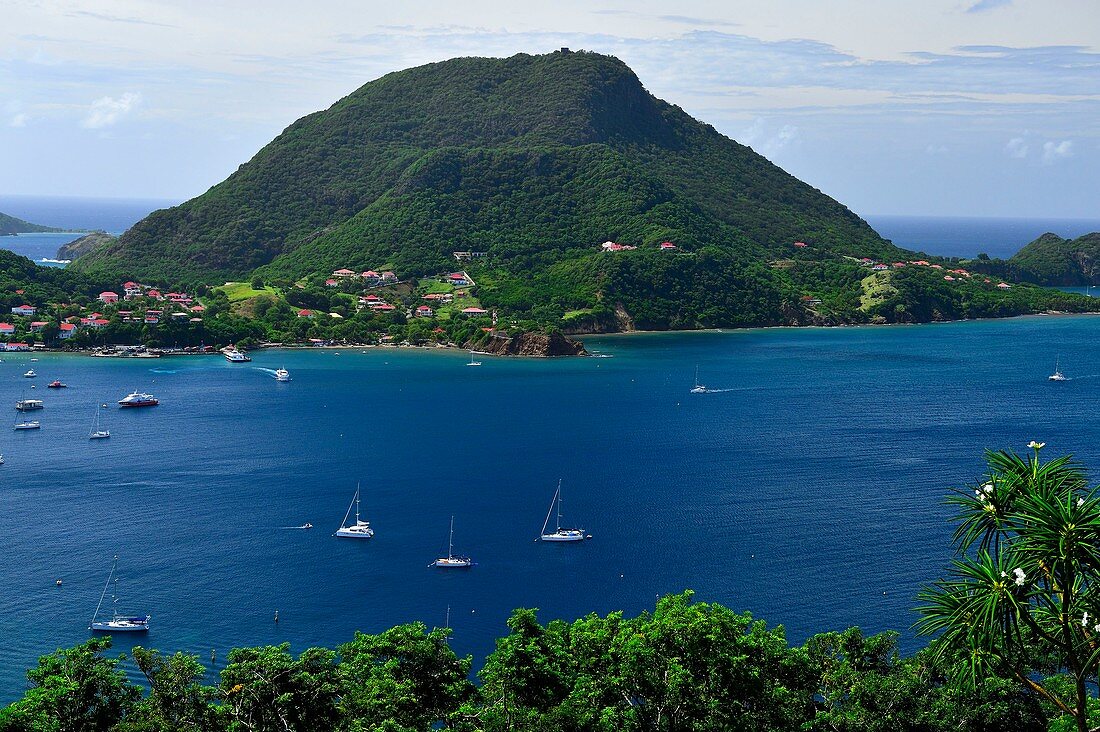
472,361
358,530
1057,375
97,433
118,623
451,561
559,534
698,388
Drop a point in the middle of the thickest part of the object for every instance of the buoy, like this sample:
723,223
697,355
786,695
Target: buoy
58,583
276,616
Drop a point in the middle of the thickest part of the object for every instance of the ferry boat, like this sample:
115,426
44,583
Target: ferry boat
138,399
232,355
56,384
29,405
282,375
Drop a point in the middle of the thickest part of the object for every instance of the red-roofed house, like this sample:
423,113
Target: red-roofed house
343,273
38,325
108,297
17,347
424,312
898,265
24,310
370,274
20,292
198,309
949,278
67,331
154,293
801,244
879,268
305,313
389,277
383,307
1004,286
474,311
6,328
666,246
331,283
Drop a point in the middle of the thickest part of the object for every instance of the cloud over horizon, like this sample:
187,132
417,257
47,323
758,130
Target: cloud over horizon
106,111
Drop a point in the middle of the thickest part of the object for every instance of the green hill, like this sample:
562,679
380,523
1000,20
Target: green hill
1052,260
12,225
535,161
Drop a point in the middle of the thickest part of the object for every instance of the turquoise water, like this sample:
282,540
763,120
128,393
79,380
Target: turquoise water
809,491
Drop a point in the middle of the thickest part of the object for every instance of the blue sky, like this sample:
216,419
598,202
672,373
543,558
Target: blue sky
943,107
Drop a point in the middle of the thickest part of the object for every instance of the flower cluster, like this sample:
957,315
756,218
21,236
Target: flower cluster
1020,577
1036,445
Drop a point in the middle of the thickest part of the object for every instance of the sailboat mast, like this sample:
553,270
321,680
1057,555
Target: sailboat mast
104,593
451,540
357,504
559,505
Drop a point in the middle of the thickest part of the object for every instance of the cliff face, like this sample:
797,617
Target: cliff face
535,344
79,247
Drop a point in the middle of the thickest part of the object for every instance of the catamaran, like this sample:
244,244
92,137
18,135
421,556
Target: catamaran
97,433
27,425
559,534
358,530
118,623
451,561
1057,375
698,388
29,405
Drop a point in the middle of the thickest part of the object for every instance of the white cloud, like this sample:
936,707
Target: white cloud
765,142
1017,147
983,5
106,111
1055,151
19,120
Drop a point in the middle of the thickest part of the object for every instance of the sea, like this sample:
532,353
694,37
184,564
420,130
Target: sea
807,487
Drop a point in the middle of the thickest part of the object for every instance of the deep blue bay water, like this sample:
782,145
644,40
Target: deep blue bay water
809,493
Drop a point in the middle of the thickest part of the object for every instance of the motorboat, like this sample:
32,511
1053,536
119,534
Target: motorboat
282,375
30,374
56,384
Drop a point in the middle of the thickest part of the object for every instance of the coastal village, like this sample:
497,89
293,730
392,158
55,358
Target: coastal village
166,317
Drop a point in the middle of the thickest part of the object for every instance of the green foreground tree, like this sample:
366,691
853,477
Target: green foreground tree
1023,598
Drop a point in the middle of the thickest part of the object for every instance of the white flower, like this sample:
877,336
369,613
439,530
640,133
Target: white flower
1080,502
987,488
1096,628
1085,619
1020,576
1036,445
1004,574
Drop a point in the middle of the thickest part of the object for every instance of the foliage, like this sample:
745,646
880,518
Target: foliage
1023,598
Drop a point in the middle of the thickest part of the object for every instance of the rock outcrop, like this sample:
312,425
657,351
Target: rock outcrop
534,344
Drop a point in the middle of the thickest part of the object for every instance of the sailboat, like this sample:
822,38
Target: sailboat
451,561
97,433
472,361
698,388
1057,375
559,534
358,530
118,623
26,424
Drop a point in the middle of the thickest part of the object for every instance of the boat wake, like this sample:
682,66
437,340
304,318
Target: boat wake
303,526
163,371
269,372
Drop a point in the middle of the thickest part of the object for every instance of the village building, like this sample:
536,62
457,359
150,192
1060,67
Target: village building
24,310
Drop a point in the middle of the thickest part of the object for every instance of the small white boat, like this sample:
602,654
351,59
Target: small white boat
30,374
472,361
698,388
451,561
1057,375
25,425
358,530
1,459
29,405
559,534
118,623
97,433
282,375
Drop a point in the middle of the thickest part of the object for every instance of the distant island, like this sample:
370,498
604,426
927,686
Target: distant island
9,225
475,201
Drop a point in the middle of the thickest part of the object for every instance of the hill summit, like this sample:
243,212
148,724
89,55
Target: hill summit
583,197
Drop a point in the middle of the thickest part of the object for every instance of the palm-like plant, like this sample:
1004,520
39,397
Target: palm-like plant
1023,595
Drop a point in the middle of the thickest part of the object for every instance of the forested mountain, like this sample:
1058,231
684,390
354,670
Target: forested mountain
1052,260
12,225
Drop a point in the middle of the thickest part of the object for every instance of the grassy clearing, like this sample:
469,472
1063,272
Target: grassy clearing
237,291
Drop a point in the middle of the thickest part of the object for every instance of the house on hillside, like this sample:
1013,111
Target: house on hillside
666,246
24,310
108,298
343,273
37,326
474,312
610,246
424,312
305,313
7,329
68,330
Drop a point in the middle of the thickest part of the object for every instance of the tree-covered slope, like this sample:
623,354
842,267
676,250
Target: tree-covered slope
528,156
1052,260
12,225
